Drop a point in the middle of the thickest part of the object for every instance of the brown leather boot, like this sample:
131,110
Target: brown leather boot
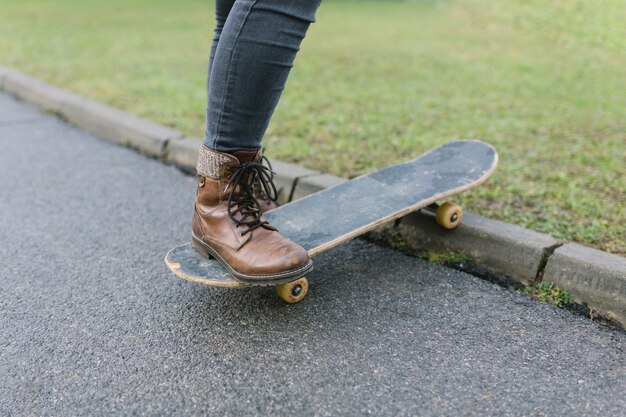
228,224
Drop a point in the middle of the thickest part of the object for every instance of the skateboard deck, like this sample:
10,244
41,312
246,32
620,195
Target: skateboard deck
332,216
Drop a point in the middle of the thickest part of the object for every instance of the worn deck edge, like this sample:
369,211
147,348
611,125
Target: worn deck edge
175,268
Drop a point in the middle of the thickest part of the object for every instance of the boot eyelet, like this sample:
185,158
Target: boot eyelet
201,180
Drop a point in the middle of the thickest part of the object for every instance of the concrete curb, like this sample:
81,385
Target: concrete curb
117,126
595,278
502,248
105,121
592,277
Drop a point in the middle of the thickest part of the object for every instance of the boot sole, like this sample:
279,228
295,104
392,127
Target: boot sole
264,279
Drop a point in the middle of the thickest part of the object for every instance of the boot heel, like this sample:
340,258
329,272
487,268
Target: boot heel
201,249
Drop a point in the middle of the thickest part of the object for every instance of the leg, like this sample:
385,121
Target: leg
222,9
253,55
253,50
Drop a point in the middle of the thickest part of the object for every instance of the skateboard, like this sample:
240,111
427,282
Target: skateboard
323,220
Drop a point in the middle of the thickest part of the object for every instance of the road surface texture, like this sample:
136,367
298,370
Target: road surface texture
92,323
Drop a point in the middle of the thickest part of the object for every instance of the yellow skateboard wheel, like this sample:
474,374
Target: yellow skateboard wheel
449,215
294,291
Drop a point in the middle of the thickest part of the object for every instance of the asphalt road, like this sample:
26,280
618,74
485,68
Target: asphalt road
92,323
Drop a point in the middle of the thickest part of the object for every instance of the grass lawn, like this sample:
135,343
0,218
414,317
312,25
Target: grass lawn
380,82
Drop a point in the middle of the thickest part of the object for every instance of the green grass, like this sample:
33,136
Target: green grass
447,258
549,293
380,82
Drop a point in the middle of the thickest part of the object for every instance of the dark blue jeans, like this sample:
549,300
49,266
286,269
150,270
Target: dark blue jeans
253,50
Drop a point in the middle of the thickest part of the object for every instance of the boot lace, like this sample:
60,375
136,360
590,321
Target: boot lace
257,189
243,208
